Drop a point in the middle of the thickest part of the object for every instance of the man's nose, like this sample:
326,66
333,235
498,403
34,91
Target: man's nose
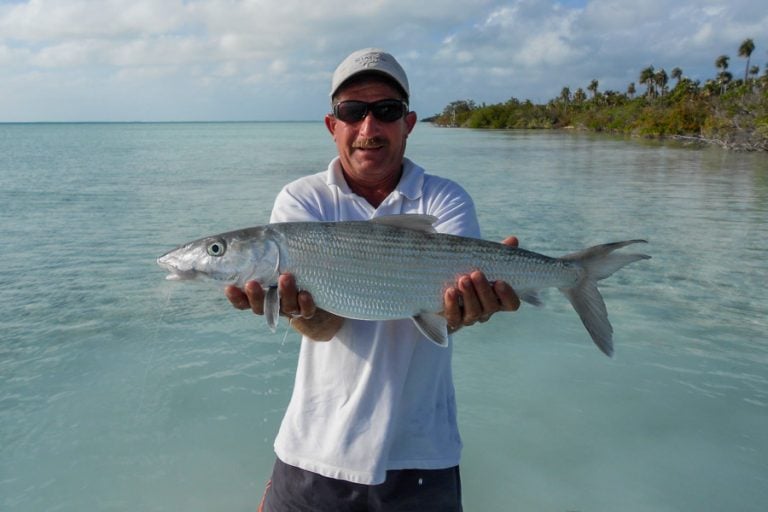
369,124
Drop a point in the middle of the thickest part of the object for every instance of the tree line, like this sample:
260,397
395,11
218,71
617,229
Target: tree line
726,110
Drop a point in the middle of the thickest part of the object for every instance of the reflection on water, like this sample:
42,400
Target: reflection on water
119,390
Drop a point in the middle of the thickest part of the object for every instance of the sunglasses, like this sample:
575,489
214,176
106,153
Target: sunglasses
386,111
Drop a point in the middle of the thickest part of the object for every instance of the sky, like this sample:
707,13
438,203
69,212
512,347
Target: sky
272,60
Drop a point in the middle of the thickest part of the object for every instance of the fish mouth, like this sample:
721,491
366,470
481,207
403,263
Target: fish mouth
181,275
178,274
175,273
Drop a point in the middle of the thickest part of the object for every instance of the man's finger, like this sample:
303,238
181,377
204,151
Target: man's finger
489,303
306,305
511,241
289,303
506,296
255,294
237,297
452,311
472,306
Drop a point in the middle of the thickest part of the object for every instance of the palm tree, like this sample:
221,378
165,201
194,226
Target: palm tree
723,77
565,95
647,79
745,50
631,90
721,62
661,79
677,74
593,88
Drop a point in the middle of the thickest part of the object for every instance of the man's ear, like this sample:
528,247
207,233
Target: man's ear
410,120
330,123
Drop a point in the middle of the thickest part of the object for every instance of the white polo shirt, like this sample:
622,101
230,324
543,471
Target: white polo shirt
379,395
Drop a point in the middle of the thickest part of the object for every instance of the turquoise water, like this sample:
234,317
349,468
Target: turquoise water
122,391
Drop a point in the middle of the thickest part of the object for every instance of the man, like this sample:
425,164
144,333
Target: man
372,424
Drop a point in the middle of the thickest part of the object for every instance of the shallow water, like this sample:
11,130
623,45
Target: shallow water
122,391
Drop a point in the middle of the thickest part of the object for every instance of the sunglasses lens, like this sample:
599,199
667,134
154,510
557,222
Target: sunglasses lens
350,111
386,111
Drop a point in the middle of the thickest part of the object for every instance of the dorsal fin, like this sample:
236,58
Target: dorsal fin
414,221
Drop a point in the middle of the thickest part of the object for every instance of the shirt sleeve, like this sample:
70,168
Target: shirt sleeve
453,207
289,208
303,200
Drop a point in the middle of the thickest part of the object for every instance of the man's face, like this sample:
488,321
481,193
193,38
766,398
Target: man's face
371,151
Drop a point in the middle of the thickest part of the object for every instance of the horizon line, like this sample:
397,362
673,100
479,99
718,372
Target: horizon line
165,121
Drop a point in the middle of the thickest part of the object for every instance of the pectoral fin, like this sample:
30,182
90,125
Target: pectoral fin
272,307
433,326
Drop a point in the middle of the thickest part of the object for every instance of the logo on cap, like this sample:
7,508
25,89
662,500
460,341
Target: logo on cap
370,60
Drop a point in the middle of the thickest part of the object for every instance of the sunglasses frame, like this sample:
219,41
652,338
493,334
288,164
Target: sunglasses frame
371,108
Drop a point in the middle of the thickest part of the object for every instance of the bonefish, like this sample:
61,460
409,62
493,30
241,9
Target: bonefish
395,267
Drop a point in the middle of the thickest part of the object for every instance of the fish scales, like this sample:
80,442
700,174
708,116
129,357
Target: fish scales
365,272
378,271
395,267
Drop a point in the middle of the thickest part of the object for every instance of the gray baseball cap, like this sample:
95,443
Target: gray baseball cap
369,60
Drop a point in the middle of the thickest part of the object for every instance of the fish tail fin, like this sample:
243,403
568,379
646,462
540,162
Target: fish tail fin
598,263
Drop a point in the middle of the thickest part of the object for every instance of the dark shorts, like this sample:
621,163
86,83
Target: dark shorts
420,490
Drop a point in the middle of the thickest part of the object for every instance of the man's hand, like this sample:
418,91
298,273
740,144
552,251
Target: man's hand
474,299
299,306
292,302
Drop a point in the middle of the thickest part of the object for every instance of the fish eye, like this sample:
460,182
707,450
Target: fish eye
217,248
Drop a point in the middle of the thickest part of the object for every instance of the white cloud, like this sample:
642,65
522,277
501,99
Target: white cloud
619,15
67,54
50,20
229,53
11,57
536,48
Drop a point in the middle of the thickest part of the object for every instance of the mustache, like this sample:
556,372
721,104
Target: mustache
372,142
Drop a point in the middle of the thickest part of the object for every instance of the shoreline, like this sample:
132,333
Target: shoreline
739,141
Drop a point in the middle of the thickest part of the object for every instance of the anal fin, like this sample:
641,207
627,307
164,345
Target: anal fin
530,296
433,326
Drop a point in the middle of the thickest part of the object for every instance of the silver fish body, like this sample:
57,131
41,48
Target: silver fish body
394,267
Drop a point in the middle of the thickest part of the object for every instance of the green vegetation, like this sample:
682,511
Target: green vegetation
726,111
